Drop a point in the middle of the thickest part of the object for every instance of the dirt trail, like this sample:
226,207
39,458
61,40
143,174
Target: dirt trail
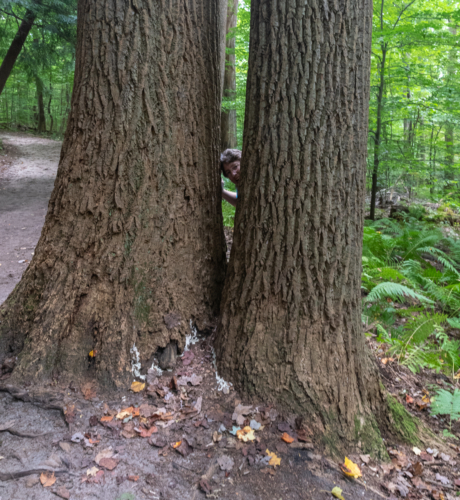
28,167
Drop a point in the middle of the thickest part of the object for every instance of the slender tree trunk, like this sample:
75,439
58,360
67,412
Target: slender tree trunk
41,124
49,110
16,47
291,311
449,127
378,131
228,116
132,252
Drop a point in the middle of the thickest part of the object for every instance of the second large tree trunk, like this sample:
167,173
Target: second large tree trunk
291,311
132,252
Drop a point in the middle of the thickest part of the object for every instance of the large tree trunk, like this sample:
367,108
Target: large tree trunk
228,115
291,311
132,252
16,47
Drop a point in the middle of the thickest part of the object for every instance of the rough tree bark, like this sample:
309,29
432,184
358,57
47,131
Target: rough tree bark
228,116
132,251
16,47
291,310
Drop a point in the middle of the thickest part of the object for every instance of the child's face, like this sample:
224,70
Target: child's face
232,171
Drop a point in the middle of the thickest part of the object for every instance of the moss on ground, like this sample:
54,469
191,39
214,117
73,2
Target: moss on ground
369,439
404,425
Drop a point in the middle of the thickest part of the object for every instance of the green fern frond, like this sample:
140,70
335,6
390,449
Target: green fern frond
446,403
419,328
395,291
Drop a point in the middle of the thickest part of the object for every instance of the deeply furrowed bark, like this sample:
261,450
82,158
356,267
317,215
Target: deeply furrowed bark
132,251
291,309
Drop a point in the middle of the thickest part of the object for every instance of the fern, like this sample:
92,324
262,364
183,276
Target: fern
419,328
395,291
454,322
446,403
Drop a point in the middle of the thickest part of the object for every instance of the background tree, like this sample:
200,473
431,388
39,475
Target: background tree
44,71
132,250
228,114
291,315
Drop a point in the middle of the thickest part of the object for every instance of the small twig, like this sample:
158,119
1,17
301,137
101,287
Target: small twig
434,483
7,476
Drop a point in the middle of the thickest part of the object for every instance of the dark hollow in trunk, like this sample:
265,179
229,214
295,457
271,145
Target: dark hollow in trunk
134,230
291,310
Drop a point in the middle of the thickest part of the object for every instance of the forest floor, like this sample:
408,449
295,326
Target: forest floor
173,440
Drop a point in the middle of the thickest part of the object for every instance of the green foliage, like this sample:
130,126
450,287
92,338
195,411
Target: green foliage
410,275
446,403
45,64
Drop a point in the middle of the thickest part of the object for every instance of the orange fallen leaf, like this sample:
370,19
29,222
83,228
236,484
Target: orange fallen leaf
409,399
94,441
92,353
47,479
274,460
387,360
107,418
287,438
133,478
350,469
176,445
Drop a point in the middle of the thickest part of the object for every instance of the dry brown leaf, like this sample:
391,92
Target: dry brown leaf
133,478
108,463
107,418
47,479
146,433
88,390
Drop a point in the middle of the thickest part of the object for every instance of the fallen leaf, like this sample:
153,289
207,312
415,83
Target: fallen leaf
225,463
97,478
427,457
416,451
70,414
108,463
245,434
137,386
158,441
417,469
146,410
77,437
204,483
442,479
403,486
287,438
62,492
274,460
350,469
107,453
47,479
92,353
184,448
240,412
146,433
284,427
337,493
88,390
420,485
177,444
107,418
133,478
409,399
92,472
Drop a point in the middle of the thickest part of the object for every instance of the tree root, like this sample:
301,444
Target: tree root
8,428
7,476
44,399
